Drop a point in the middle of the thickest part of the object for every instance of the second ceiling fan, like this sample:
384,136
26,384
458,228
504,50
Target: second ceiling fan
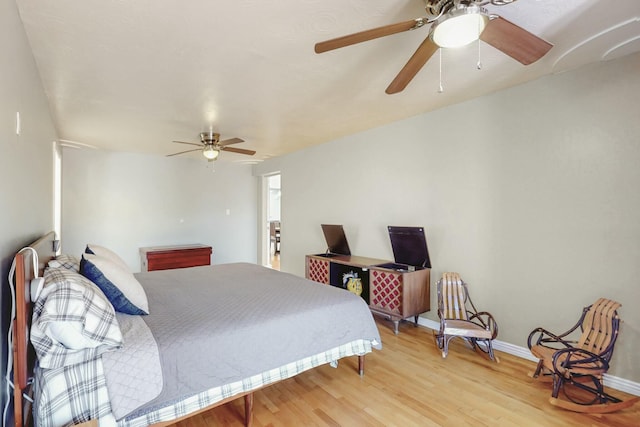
455,23
210,145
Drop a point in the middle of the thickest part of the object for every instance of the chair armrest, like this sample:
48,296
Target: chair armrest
540,336
485,320
578,361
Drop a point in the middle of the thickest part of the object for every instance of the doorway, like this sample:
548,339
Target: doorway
273,226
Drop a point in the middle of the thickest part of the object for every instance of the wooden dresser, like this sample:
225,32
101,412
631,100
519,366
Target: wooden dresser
168,257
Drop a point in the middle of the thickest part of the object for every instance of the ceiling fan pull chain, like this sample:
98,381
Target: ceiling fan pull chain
440,88
479,64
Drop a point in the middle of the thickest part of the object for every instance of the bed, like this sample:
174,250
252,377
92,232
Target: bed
212,334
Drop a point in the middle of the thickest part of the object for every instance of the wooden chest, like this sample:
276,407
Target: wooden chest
168,257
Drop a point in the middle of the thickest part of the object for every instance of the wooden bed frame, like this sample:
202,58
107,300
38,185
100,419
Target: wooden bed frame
24,356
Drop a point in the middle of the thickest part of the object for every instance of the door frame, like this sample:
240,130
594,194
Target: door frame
264,242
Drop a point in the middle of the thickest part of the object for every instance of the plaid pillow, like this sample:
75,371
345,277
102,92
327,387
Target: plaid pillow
72,320
70,262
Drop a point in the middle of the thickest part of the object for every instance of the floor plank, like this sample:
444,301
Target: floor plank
409,384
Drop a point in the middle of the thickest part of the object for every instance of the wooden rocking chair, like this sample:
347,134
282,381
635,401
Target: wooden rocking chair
459,317
577,367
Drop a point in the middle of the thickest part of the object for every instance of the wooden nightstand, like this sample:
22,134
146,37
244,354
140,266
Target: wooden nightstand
168,257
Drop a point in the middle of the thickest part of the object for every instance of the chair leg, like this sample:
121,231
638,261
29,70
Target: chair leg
439,339
602,402
485,346
445,345
536,373
602,396
557,382
490,346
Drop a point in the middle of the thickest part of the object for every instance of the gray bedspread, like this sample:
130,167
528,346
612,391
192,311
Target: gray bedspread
218,324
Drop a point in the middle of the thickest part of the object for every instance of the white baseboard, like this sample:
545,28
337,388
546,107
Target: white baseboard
616,383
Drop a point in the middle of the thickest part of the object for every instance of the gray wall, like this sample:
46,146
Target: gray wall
125,201
26,189
530,193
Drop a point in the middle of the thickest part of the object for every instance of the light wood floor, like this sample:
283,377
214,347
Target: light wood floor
275,261
409,384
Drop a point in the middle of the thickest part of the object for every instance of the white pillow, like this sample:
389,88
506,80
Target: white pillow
103,252
118,284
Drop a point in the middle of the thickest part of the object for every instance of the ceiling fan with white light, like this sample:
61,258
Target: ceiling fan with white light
454,23
210,145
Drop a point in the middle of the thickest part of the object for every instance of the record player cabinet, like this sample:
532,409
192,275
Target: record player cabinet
393,293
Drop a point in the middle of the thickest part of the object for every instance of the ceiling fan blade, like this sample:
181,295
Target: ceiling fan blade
514,41
367,35
230,141
411,68
188,143
238,150
182,152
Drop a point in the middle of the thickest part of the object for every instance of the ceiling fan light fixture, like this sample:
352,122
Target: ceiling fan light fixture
459,27
210,153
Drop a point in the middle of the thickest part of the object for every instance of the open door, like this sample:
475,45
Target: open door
272,222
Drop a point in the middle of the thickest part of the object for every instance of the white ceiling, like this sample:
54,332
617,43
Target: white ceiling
135,75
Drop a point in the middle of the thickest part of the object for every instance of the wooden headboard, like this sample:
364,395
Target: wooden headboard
24,272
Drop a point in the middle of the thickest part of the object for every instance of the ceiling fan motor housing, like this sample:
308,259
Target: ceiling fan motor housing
436,8
209,137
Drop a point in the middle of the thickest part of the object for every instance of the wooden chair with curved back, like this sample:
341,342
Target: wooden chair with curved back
577,366
459,317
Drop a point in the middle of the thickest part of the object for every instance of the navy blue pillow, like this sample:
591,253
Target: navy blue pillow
119,286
